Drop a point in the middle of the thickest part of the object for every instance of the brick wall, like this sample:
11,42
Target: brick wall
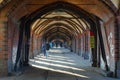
118,42
13,37
3,46
35,45
110,38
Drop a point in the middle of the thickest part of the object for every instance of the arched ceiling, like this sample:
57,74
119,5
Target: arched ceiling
100,8
116,3
59,24
3,3
59,19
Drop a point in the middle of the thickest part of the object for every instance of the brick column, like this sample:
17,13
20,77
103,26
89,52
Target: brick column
87,51
77,45
117,51
3,46
31,55
82,44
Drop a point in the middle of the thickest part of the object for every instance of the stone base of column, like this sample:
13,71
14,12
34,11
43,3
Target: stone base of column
2,74
86,55
3,71
118,69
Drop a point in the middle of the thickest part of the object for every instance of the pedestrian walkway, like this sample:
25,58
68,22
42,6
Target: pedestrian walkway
60,65
61,60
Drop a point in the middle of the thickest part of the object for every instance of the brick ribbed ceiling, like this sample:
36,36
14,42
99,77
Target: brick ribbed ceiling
99,8
59,24
3,3
59,20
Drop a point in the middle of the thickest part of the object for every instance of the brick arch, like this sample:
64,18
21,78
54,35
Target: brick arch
11,9
51,7
90,18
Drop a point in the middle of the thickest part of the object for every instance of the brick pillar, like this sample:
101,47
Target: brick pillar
118,46
87,52
31,55
82,45
3,46
77,44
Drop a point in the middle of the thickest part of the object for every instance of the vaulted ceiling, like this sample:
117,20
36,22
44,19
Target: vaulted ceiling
60,23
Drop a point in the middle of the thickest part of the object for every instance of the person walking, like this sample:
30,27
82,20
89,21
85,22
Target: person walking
51,45
44,49
47,49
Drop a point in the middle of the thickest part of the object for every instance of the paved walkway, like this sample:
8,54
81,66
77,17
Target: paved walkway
61,60
60,65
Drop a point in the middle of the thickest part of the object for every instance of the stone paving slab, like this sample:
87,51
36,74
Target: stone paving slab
63,65
60,62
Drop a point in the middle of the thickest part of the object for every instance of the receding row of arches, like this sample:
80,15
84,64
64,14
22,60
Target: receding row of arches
60,21
81,31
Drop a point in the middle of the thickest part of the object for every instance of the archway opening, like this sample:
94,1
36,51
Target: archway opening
61,22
